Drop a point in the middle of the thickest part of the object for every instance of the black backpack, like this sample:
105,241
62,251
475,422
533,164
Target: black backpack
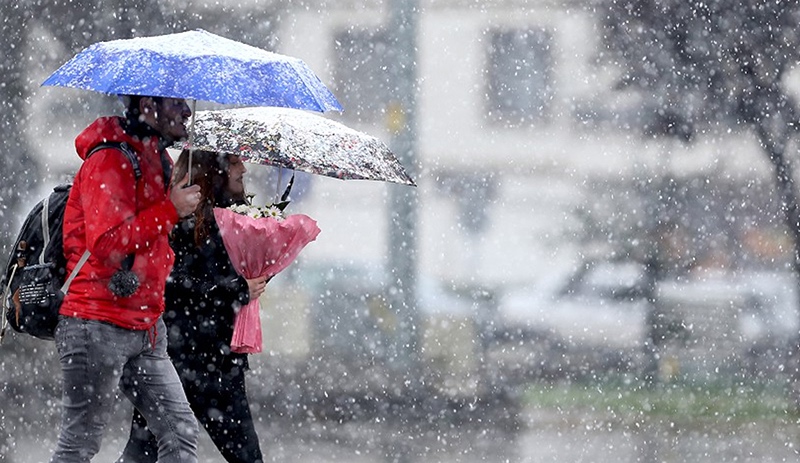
35,279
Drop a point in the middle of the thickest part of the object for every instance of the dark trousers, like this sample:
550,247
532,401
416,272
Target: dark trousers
219,402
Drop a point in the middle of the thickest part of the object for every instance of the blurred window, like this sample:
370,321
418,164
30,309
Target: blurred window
363,84
519,76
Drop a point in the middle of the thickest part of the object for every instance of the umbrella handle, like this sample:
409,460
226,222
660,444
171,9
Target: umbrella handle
288,190
191,141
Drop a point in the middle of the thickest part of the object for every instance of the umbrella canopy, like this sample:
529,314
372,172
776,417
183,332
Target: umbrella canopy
297,140
196,65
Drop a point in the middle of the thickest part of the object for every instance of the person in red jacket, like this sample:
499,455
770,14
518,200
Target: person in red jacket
105,338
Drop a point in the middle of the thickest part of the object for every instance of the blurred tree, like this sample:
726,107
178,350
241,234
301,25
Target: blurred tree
15,162
700,65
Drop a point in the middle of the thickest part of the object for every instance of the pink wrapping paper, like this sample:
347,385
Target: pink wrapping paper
260,247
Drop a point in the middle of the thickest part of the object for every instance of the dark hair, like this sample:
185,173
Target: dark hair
210,172
132,124
132,111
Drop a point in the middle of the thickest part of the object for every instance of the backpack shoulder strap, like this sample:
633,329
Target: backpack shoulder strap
126,150
75,271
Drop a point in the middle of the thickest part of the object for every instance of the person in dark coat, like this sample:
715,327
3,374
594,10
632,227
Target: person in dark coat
203,294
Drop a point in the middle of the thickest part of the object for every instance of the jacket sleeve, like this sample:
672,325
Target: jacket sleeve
233,288
227,284
114,228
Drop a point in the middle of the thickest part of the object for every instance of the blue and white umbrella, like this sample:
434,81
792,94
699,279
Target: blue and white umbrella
196,65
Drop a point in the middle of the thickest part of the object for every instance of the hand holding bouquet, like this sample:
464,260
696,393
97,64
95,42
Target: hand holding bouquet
260,242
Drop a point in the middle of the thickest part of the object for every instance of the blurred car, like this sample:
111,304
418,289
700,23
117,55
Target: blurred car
735,321
596,305
754,306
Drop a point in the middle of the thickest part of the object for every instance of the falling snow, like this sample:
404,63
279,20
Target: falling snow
599,260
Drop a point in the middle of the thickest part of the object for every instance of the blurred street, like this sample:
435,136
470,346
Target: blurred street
545,436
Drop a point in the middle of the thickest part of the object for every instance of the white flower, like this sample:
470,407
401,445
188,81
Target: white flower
240,208
274,212
258,212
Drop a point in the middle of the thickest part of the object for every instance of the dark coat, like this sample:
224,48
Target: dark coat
203,294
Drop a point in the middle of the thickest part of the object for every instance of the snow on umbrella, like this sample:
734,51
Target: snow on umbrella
297,140
196,65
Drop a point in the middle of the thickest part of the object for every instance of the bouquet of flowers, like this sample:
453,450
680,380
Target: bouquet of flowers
261,241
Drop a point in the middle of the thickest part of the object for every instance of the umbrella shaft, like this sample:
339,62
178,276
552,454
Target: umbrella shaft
191,141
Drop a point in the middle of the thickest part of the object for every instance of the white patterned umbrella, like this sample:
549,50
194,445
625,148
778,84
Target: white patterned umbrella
297,140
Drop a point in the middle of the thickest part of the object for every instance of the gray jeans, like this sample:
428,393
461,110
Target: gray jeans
98,357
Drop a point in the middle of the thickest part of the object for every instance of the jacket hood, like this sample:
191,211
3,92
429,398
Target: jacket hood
109,129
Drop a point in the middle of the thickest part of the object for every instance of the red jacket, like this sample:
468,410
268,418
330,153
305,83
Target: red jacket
113,215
